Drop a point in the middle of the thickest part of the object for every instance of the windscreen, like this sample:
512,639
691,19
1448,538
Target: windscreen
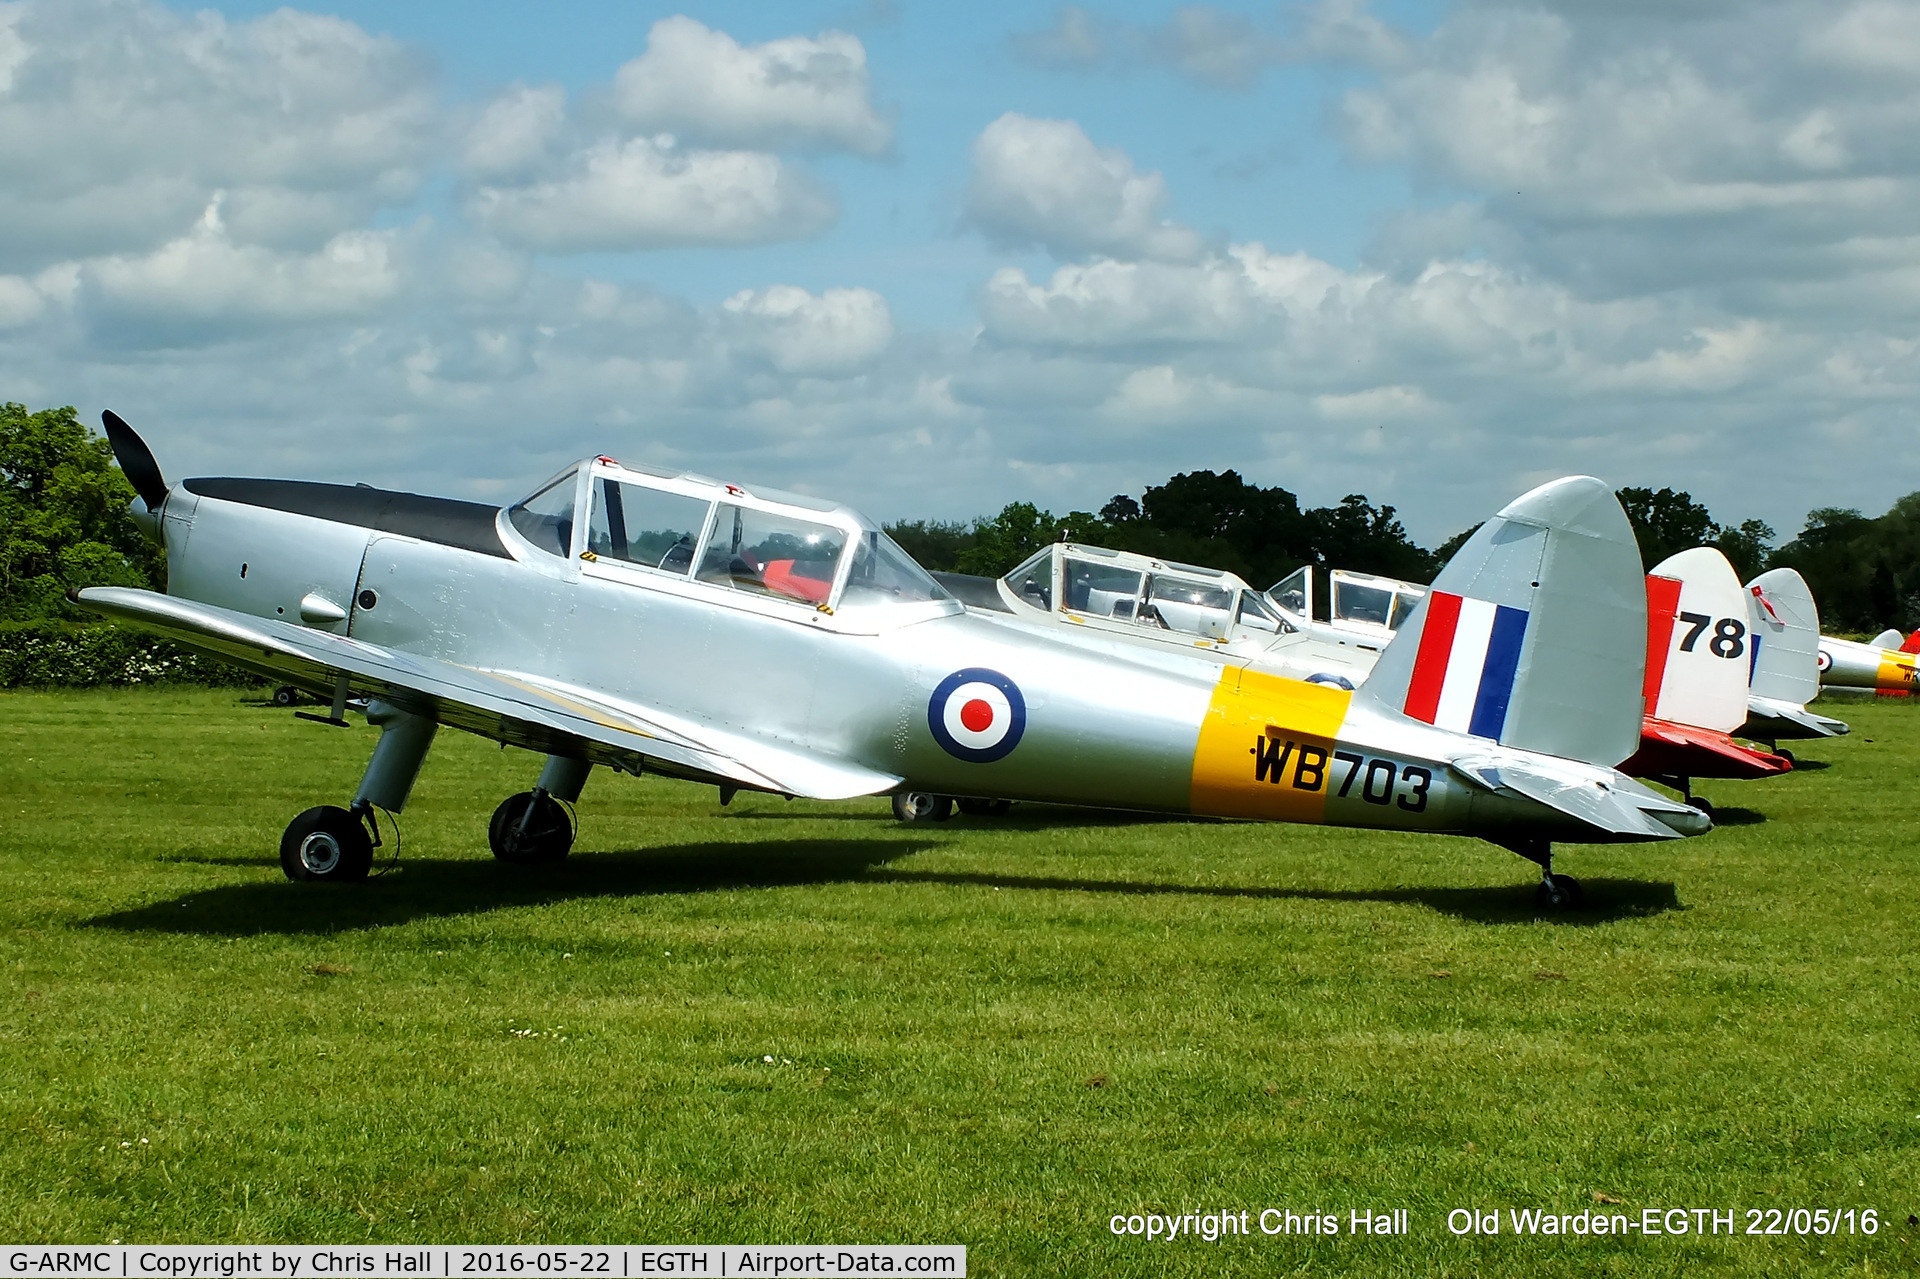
882,573
1257,616
546,518
1033,581
772,554
1294,592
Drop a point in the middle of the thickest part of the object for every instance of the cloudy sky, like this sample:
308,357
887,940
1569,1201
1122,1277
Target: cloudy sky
931,258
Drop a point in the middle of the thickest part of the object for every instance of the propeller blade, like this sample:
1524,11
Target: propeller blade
136,460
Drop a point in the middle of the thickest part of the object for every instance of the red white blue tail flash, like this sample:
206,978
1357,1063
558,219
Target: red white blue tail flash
1464,671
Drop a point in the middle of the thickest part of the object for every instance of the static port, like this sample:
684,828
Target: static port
368,599
243,570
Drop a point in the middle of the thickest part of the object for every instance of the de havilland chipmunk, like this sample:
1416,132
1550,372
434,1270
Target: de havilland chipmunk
1696,692
645,621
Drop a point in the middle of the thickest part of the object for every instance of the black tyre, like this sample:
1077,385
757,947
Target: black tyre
529,828
286,695
1702,803
326,845
1788,756
983,807
1559,892
919,806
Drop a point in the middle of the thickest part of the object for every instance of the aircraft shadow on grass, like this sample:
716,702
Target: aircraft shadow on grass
437,888
1025,817
1607,899
427,888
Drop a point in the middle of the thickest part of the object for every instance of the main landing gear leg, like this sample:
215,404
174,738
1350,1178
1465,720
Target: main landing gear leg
333,845
1556,892
534,826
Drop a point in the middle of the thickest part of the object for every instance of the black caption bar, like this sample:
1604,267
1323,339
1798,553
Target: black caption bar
475,1261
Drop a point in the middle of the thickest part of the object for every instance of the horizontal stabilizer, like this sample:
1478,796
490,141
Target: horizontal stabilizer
1764,716
1685,750
1621,807
507,706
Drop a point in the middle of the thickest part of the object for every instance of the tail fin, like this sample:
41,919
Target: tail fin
1698,641
1888,638
1785,624
1534,635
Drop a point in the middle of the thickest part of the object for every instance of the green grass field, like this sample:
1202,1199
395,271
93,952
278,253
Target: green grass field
791,1022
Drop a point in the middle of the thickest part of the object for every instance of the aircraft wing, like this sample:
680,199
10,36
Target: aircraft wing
523,709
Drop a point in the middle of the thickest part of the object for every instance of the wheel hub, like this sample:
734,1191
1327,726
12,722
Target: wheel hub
320,852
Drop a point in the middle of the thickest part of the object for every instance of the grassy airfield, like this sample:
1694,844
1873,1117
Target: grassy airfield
803,1023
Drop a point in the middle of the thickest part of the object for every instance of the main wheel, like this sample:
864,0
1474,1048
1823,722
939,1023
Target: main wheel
1788,756
984,807
530,827
919,806
1702,803
326,845
286,695
1559,892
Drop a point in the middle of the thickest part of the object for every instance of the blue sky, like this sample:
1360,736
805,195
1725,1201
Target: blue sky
929,259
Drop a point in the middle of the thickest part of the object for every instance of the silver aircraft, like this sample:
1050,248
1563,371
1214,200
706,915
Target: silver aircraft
646,621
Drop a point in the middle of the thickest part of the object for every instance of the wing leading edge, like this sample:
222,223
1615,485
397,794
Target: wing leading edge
519,708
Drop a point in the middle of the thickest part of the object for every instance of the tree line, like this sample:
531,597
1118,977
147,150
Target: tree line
64,524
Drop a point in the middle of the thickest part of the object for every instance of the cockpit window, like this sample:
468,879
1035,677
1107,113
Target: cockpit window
1355,603
772,554
546,518
1403,602
884,574
1033,581
645,525
1105,590
1193,607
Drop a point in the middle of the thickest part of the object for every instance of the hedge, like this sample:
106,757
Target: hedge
50,654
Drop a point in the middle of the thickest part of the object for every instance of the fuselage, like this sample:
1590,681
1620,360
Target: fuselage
948,701
1851,664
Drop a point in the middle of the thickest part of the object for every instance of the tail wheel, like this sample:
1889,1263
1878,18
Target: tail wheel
984,807
326,845
919,806
286,695
530,827
1559,892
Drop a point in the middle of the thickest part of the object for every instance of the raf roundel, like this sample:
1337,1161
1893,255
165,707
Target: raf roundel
977,715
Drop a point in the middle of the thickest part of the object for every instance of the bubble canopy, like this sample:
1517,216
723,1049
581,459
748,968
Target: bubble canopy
648,526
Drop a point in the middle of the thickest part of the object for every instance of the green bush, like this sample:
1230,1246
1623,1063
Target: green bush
52,654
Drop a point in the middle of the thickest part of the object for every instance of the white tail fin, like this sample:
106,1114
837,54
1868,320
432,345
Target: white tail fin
1785,624
1699,653
1535,635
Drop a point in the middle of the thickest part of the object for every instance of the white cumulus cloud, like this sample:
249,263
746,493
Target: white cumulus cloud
792,92
120,119
834,333
1045,182
651,193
